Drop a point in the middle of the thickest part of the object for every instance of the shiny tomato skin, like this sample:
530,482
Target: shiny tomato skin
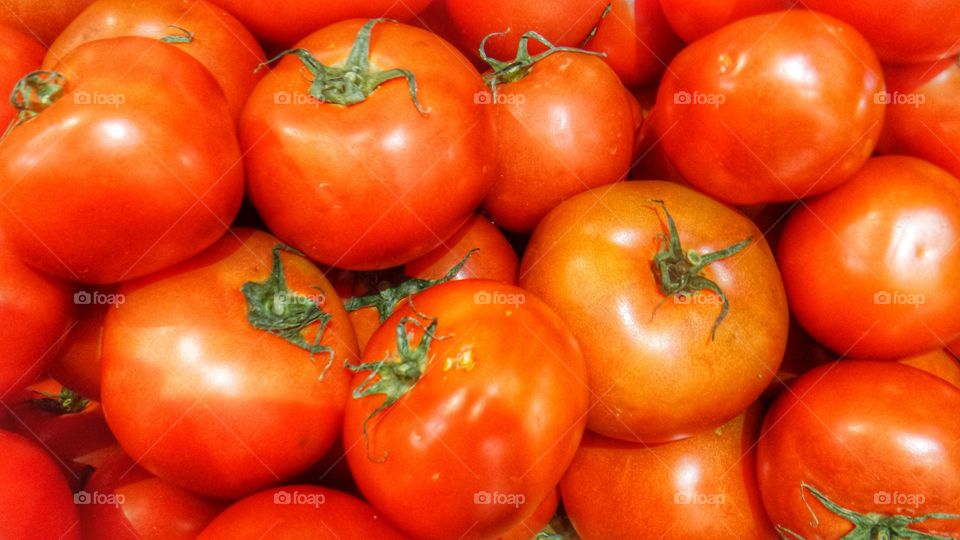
564,128
504,421
855,430
82,215
818,82
37,503
693,19
359,191
19,54
77,364
536,521
930,32
655,373
200,397
320,514
41,19
701,487
496,260
884,247
219,41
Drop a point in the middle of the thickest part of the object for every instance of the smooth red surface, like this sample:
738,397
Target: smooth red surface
693,19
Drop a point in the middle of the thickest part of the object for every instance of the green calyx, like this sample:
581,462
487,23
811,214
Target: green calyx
33,93
66,402
387,300
520,66
870,526
678,272
274,308
178,35
352,81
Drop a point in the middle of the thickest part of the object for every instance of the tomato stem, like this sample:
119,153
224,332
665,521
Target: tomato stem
182,36
593,31
65,402
33,93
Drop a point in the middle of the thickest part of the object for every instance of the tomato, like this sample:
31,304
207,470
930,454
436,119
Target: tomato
818,82
214,376
71,206
36,502
495,258
77,364
883,246
219,41
664,361
41,19
563,127
693,19
637,40
357,193
874,438
19,54
923,113
446,415
124,502
701,487
537,521
932,30
36,313
939,362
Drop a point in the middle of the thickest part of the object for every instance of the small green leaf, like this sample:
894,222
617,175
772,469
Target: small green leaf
66,402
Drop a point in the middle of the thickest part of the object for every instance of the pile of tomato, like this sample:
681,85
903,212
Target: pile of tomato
498,269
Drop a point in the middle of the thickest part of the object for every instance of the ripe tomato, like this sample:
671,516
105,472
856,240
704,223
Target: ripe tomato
36,314
447,416
36,502
818,82
218,41
693,19
19,54
214,375
537,521
883,246
663,361
124,502
77,364
931,32
923,113
71,205
41,19
495,259
357,193
563,127
939,362
874,438
701,487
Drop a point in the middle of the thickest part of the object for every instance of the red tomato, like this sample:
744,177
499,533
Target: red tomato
357,193
124,502
854,442
300,511
36,502
939,362
77,364
884,247
19,55
219,41
214,376
71,205
447,417
771,108
693,19
537,521
923,113
39,18
36,314
664,360
931,31
496,260
701,487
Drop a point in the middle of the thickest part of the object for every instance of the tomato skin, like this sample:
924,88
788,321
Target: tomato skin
884,246
37,503
77,364
173,128
939,362
536,522
179,354
220,42
19,55
496,260
657,489
356,193
465,434
41,19
923,113
854,430
564,128
693,19
931,32
590,259
818,80
325,514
